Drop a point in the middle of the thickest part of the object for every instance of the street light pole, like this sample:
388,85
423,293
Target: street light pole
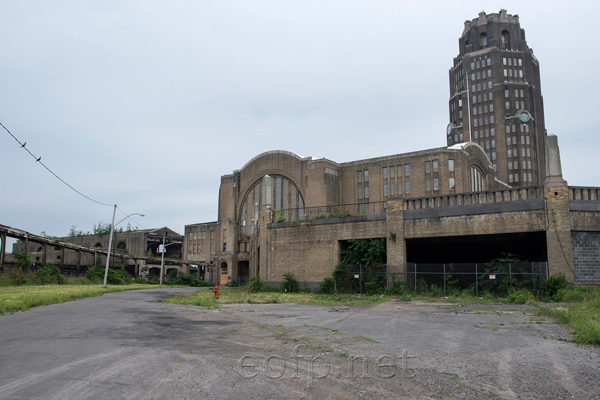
162,260
112,230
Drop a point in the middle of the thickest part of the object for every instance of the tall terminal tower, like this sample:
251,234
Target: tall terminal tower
496,98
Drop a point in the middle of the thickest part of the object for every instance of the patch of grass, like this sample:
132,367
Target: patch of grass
21,298
583,317
228,295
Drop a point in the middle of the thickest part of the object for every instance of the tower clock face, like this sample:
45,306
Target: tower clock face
449,129
524,115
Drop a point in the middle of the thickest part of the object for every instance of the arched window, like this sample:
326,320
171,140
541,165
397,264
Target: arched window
98,245
505,38
477,179
483,41
121,245
286,196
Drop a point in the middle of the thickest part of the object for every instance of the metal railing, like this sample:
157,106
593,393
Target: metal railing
308,214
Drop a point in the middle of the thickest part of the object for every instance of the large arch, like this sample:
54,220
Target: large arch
286,195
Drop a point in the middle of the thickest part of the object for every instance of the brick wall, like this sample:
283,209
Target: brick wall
586,256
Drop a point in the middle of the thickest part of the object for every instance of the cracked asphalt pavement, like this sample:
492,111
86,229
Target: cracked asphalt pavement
129,345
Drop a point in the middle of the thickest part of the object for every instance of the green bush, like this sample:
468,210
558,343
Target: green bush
327,286
550,288
140,279
398,288
290,284
520,296
306,290
233,283
373,288
49,275
254,285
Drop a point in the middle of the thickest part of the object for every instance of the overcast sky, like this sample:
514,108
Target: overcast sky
145,104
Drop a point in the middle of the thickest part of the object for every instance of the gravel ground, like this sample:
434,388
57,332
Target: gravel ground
131,346
440,350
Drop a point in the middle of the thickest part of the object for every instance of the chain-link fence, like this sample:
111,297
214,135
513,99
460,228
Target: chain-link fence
494,278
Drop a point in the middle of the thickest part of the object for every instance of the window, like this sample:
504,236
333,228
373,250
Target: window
483,41
428,185
493,132
507,105
491,108
504,60
490,96
399,171
385,190
474,99
434,165
491,119
393,189
224,234
489,84
436,184
450,165
406,169
510,165
366,175
493,143
385,172
451,183
366,192
476,134
493,156
489,73
224,246
407,187
505,41
460,102
427,167
488,61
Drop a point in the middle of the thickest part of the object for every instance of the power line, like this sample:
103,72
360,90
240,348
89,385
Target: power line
39,160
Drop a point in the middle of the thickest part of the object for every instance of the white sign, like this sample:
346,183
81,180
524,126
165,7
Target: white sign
492,276
161,248
356,276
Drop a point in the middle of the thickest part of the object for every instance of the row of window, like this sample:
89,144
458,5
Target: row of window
525,177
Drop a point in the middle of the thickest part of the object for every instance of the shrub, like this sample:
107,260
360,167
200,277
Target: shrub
48,275
549,288
254,285
233,283
306,290
398,288
520,296
327,286
373,288
290,284
140,279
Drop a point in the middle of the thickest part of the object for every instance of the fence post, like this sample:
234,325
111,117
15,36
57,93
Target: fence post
444,278
361,280
510,275
415,266
476,281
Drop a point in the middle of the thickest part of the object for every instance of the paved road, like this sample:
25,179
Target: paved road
130,346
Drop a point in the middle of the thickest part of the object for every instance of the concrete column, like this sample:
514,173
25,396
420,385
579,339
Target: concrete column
558,231
44,252
2,248
396,244
558,214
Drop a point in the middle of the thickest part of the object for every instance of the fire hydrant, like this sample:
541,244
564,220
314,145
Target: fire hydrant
216,291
